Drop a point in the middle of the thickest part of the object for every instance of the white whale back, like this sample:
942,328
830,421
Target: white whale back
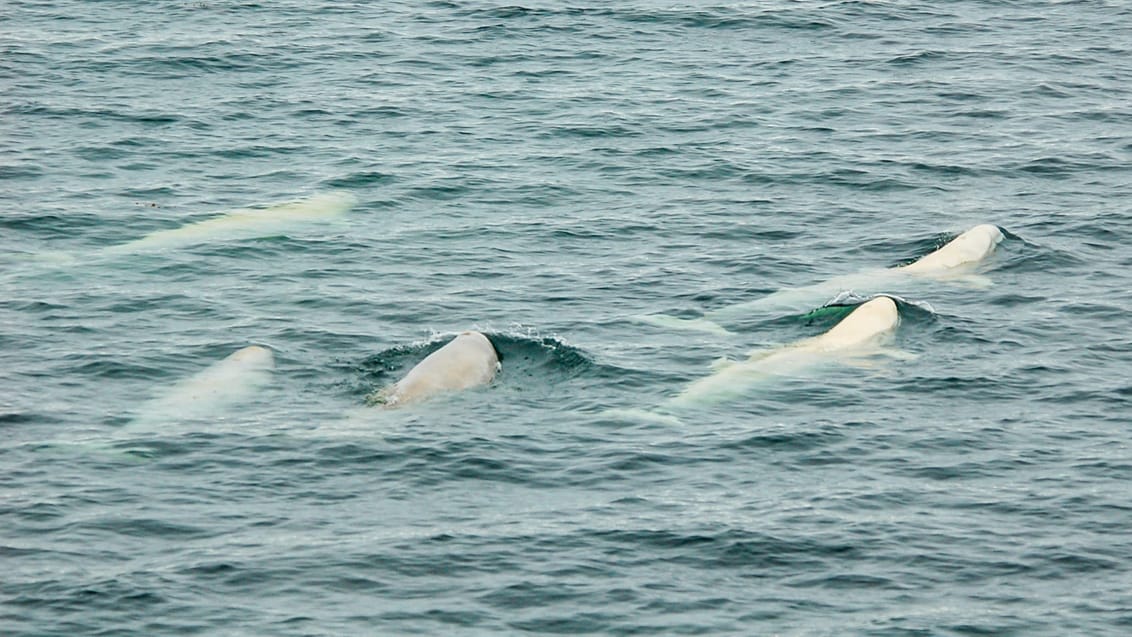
865,325
962,252
469,360
860,333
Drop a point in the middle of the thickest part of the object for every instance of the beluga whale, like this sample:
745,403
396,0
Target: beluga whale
863,333
217,392
469,360
958,257
957,261
213,391
244,223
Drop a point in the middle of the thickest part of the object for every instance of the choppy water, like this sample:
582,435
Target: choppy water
549,175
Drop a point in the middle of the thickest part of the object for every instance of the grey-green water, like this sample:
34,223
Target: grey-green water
549,174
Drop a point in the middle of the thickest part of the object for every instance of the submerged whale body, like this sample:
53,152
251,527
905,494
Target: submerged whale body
244,223
860,334
212,391
467,361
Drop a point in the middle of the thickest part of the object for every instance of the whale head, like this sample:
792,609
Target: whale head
961,253
469,360
868,324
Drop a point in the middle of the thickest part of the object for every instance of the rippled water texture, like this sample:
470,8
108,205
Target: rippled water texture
560,177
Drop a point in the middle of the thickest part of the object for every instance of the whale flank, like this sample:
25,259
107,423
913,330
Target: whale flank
244,223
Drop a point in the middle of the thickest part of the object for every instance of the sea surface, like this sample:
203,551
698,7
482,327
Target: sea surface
558,175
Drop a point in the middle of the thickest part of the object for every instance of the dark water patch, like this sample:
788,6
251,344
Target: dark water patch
705,171
963,96
378,112
175,62
100,116
855,582
33,306
147,196
21,170
639,465
442,617
1047,89
966,388
1019,255
535,195
608,130
757,555
1060,167
412,560
115,369
1106,115
964,471
67,596
177,452
15,418
359,454
448,189
919,57
855,179
1099,310
789,440
750,232
359,180
945,170
39,513
433,467
983,113
528,594
724,19
146,527
259,151
213,571
54,225
576,624
963,439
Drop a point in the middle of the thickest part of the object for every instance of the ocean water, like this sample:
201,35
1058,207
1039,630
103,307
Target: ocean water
553,174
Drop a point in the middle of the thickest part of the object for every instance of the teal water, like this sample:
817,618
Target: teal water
550,175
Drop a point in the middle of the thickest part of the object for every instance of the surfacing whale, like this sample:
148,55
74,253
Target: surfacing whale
861,334
956,261
959,256
467,361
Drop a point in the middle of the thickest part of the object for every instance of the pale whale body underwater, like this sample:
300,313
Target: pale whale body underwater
244,223
234,225
958,261
216,393
212,392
